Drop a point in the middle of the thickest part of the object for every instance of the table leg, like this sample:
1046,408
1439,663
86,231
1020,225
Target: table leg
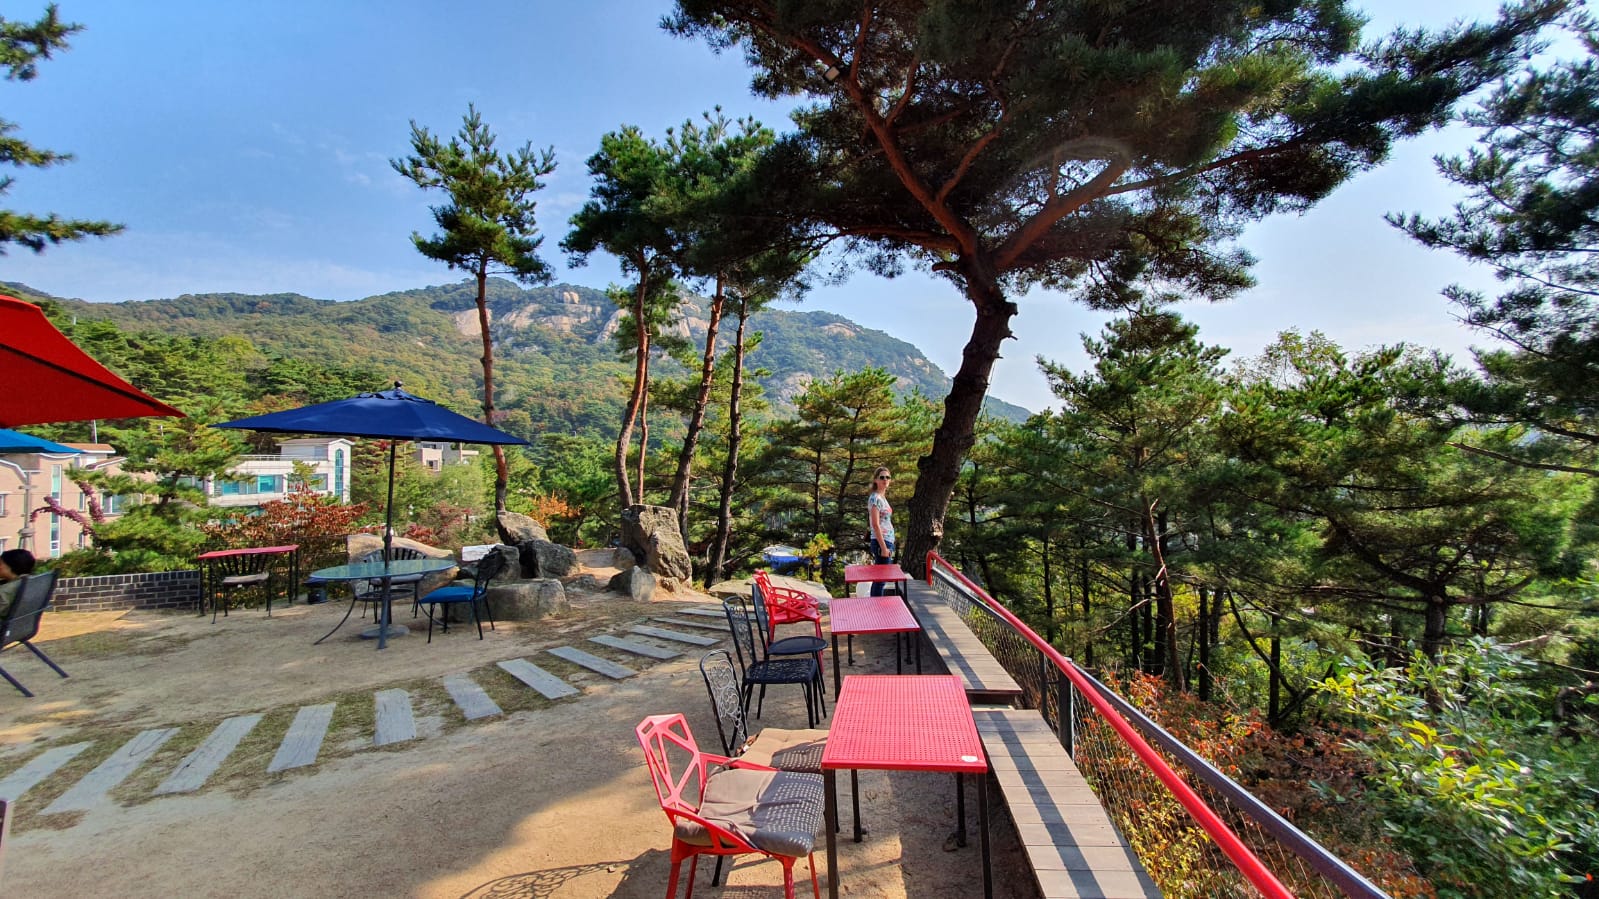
838,682
982,835
899,665
855,799
960,810
830,784
850,642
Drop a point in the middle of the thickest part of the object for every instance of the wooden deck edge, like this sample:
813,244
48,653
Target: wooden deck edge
960,651
1073,848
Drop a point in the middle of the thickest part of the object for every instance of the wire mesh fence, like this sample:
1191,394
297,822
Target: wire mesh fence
1180,856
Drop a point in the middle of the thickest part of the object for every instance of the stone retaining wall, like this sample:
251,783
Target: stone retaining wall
112,592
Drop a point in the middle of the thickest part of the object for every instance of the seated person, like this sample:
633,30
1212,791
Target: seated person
14,563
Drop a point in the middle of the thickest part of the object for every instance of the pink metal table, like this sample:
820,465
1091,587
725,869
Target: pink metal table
917,723
872,574
292,550
871,615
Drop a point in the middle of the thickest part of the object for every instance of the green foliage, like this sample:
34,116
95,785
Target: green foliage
1470,776
22,46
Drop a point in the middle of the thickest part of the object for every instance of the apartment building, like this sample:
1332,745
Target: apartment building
258,479
29,481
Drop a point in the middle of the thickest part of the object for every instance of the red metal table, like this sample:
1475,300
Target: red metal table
872,574
292,550
871,615
917,723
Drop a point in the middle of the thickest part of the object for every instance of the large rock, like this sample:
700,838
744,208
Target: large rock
528,600
541,558
651,533
636,583
517,529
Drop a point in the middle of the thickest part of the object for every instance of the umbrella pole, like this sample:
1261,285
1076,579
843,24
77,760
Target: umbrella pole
388,543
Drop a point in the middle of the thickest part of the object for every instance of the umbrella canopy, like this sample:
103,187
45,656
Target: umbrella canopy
386,414
18,442
50,379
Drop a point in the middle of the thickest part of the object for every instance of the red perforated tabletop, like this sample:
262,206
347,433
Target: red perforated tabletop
870,615
904,723
871,574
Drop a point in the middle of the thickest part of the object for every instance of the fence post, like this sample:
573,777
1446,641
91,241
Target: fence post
1066,702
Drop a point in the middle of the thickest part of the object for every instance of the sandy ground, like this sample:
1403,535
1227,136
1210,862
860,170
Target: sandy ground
549,800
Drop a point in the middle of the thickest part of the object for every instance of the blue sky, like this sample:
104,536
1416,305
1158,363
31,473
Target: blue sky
246,148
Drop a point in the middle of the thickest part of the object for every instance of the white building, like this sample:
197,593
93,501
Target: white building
261,479
28,479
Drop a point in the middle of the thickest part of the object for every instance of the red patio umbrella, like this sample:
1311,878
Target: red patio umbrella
47,378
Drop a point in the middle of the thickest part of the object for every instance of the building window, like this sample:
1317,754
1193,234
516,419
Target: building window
3,498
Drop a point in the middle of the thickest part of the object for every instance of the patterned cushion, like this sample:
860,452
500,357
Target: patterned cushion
788,750
775,811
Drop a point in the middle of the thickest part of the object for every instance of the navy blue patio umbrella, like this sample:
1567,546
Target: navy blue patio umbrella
387,415
392,415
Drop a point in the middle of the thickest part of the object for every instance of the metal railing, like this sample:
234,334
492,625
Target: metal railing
1197,832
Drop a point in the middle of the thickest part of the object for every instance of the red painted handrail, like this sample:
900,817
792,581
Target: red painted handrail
1248,863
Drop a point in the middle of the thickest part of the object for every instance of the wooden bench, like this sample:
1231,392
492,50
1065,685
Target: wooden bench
1074,849
960,651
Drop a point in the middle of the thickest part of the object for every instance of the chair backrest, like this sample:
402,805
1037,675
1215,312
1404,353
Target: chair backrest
677,767
743,636
763,614
397,553
679,770
33,595
488,568
721,681
241,563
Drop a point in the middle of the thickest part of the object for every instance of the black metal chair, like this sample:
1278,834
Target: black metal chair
487,570
225,574
756,671
802,645
21,623
400,585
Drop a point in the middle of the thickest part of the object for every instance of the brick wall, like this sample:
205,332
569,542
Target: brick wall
155,590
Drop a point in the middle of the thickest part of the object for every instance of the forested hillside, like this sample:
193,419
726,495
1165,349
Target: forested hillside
556,362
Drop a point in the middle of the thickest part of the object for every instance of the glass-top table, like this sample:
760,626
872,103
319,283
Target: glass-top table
383,572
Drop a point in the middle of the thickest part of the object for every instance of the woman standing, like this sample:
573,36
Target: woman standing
881,516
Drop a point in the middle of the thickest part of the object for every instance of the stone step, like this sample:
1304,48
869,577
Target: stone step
472,700
704,613
676,636
304,739
92,790
701,625
648,650
591,662
639,649
394,722
37,769
547,684
192,772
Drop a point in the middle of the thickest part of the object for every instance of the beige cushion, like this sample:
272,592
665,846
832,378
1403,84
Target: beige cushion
239,580
775,811
787,750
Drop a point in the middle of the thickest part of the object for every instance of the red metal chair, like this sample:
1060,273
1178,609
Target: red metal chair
786,606
731,810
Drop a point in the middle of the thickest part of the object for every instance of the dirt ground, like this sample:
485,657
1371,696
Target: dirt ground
549,800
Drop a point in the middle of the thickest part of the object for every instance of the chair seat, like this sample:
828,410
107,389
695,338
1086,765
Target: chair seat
787,749
399,579
460,593
783,671
239,580
797,646
775,811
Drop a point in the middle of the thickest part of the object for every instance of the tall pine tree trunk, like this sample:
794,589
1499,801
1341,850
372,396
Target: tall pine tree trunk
724,508
635,400
938,471
502,473
696,421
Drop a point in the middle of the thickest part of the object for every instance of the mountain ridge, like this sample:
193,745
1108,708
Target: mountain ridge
564,325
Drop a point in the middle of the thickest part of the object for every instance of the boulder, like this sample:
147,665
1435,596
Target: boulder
622,558
541,558
516,529
528,600
636,583
651,533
